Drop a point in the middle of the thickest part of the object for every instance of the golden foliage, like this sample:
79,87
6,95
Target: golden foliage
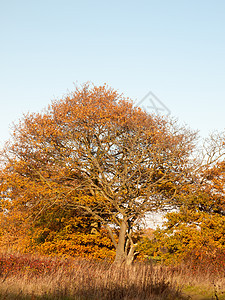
93,153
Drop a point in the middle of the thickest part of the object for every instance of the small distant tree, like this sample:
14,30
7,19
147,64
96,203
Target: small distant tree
94,151
198,226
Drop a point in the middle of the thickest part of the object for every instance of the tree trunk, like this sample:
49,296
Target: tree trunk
120,248
122,255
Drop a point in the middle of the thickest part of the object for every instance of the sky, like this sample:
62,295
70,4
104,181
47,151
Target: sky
174,49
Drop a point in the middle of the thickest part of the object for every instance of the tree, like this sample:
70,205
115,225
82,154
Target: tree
98,153
199,225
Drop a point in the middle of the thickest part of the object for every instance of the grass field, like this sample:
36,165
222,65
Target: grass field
34,277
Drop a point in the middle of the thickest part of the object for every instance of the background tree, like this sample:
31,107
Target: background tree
199,224
94,151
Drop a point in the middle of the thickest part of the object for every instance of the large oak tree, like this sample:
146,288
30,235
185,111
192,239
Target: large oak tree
95,151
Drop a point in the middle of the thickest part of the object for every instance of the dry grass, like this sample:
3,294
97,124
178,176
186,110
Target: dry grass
199,283
80,279
27,277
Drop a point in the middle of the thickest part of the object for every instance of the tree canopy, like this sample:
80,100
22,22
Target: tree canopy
95,152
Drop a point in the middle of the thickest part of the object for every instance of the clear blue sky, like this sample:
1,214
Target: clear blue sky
174,48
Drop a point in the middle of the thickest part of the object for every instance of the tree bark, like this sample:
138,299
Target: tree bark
120,248
123,256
